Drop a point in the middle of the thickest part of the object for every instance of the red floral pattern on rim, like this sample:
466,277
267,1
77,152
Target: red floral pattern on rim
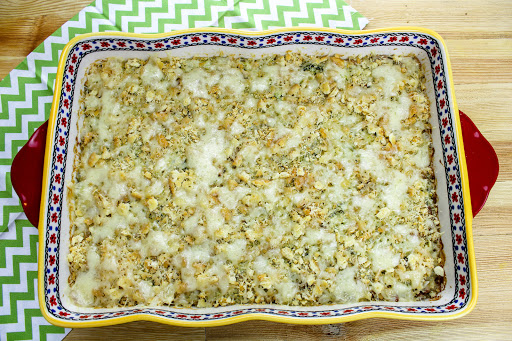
423,42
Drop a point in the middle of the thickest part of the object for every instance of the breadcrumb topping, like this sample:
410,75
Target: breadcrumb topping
286,179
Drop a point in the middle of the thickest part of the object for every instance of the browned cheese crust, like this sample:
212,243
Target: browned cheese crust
286,179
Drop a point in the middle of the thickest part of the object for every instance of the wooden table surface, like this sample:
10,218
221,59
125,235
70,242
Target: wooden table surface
479,38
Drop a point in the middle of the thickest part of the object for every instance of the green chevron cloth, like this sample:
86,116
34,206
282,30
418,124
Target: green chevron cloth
26,96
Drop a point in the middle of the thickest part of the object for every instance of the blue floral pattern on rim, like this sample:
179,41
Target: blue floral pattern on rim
450,156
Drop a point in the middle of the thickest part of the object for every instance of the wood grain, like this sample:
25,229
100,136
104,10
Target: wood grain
479,39
24,24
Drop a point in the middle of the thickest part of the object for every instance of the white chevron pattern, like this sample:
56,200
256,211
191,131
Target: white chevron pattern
10,234
216,10
244,7
185,13
113,8
22,287
7,289
331,10
98,21
3,170
347,12
288,16
258,18
39,117
141,18
13,200
21,306
156,17
142,13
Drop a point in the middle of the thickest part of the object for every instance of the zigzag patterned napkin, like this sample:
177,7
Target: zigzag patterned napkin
26,96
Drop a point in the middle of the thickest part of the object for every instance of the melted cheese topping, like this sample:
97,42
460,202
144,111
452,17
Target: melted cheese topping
289,179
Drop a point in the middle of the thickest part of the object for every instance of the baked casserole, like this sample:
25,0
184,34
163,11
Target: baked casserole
286,179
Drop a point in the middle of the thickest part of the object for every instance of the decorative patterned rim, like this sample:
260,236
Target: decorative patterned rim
53,198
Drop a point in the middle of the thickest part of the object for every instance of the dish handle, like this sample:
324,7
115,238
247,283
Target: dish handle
27,168
27,173
482,163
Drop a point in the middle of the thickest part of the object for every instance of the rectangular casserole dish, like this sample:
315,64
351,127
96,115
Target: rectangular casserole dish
459,295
